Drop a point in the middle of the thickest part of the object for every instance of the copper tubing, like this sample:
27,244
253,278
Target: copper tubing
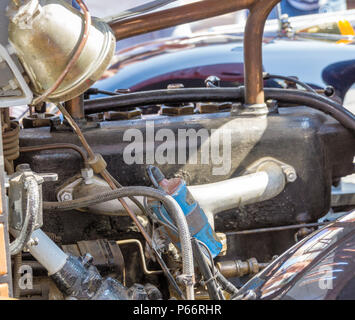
253,36
77,130
141,252
75,107
172,17
74,58
57,146
259,10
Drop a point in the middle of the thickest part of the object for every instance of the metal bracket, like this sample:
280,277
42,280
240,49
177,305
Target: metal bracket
288,170
17,83
17,190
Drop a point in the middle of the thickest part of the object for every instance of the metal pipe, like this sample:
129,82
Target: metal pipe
266,183
172,17
77,130
141,251
239,268
253,36
282,228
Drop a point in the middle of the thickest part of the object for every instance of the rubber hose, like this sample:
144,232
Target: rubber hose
226,285
315,101
290,79
312,100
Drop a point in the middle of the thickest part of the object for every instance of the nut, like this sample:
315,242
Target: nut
66,196
98,164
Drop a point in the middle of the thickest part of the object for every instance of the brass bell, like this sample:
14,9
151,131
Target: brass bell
45,35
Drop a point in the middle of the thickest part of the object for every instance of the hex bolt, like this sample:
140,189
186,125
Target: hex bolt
33,242
290,173
66,196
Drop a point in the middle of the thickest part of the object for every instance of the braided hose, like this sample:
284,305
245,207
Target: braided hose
32,208
170,205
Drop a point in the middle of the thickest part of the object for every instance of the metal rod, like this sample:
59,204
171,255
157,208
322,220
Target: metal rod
253,36
141,251
172,17
77,130
290,227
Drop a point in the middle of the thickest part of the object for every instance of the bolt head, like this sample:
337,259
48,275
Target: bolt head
66,196
291,175
33,242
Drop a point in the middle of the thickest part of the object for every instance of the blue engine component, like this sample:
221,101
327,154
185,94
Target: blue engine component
196,219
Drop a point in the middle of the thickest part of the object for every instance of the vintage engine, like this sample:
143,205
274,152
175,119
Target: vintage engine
254,166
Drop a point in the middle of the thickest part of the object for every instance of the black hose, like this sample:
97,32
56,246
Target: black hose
315,101
182,95
164,96
290,79
226,284
205,270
